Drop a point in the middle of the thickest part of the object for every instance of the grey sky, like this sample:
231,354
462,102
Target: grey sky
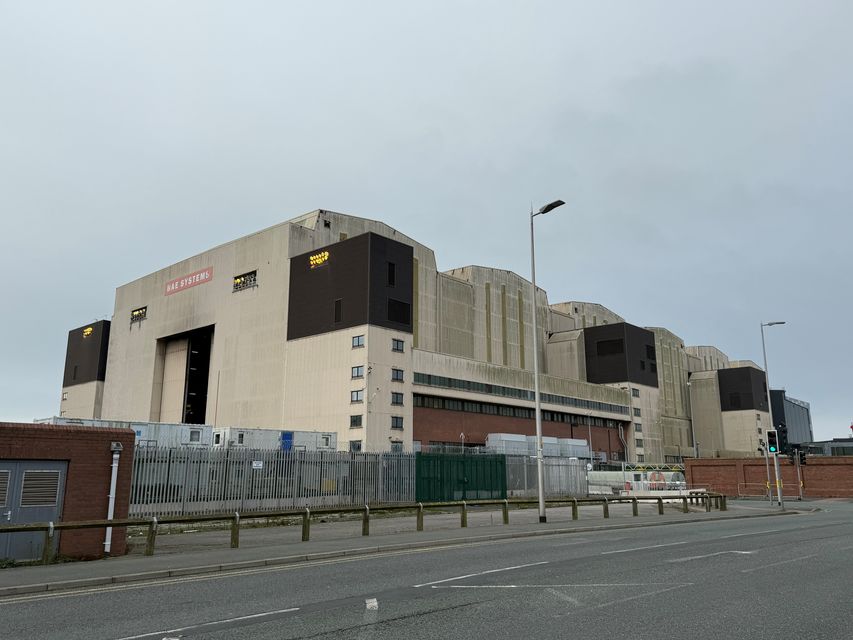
703,150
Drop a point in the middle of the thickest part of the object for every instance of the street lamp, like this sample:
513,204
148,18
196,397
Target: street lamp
770,406
540,470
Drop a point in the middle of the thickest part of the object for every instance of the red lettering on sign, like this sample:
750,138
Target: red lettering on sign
185,282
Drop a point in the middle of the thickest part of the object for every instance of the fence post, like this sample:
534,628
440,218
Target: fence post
574,508
708,504
635,509
306,524
684,507
420,516
235,531
723,505
505,510
717,502
605,508
660,506
47,551
463,513
151,537
365,521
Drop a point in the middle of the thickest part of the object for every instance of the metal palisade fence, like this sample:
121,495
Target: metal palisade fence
169,481
563,477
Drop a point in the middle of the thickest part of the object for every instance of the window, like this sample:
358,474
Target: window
327,224
636,412
392,274
635,392
74,373
217,438
650,352
358,372
396,446
240,438
641,457
638,443
610,347
642,365
356,396
195,435
355,446
338,312
138,315
396,422
653,367
396,375
65,395
397,345
638,428
325,441
355,422
245,281
396,398
398,311
357,341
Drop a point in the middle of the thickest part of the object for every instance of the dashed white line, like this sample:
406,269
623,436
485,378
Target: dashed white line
711,555
752,533
776,564
155,634
654,546
480,573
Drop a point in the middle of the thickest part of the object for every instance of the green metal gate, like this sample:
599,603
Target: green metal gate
446,476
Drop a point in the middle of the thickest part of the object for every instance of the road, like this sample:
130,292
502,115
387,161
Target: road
769,577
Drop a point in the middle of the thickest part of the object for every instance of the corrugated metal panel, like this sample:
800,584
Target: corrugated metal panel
39,488
4,487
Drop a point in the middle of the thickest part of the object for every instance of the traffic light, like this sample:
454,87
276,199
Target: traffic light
772,442
782,435
802,457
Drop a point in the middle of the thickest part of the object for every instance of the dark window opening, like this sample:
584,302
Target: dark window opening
650,352
327,224
399,311
355,446
396,375
198,370
653,367
245,281
642,365
338,310
392,274
396,422
610,347
397,345
355,421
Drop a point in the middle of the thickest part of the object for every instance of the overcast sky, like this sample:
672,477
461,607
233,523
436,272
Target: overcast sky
704,151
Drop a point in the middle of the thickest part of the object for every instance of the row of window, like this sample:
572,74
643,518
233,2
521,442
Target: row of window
397,345
452,404
512,392
357,421
355,446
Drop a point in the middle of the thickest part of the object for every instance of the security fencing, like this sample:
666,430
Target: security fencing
172,481
563,477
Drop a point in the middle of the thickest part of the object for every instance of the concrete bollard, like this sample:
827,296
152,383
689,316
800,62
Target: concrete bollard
717,502
464,514
635,508
505,511
684,507
605,508
306,525
660,506
723,505
708,504
420,525
235,531
151,537
365,521
47,550
574,509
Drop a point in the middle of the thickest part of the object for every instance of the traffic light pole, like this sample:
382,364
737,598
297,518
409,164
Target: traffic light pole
767,466
778,480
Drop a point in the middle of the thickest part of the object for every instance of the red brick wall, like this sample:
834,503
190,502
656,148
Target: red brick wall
440,425
87,485
823,477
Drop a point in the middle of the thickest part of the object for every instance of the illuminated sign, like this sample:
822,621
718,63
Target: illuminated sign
318,259
194,279
87,332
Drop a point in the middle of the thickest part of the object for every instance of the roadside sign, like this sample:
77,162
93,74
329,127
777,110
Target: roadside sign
257,464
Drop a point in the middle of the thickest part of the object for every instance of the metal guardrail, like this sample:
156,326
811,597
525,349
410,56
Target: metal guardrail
709,500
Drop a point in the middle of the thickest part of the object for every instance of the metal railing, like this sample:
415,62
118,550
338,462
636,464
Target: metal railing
709,500
168,481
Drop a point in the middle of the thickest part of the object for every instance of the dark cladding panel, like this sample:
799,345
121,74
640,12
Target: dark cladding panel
742,388
390,283
318,281
620,352
86,353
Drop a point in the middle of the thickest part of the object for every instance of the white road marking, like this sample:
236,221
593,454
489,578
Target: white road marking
654,546
209,624
481,573
776,564
710,555
754,533
552,586
564,597
371,604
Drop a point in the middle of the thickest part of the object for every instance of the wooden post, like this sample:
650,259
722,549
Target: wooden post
235,531
306,524
723,505
152,537
464,514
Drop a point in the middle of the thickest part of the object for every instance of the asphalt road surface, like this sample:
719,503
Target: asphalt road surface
771,577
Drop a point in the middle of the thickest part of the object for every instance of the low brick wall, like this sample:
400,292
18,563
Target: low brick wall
87,485
823,477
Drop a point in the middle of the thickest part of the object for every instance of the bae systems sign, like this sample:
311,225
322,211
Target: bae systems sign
185,282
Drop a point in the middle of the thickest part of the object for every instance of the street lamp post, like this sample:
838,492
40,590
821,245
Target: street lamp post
540,470
770,408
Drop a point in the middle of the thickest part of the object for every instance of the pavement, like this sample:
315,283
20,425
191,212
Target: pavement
208,551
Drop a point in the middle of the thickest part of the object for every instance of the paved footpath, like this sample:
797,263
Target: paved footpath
209,550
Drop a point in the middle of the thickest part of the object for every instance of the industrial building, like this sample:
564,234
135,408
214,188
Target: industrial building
338,324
